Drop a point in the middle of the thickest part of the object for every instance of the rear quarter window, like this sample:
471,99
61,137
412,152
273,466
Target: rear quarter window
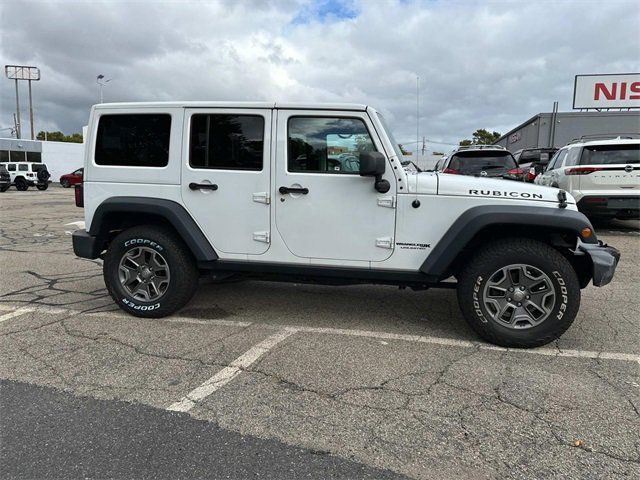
133,140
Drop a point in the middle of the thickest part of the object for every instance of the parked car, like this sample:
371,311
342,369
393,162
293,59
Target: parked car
72,178
228,203
5,179
602,175
533,161
28,174
491,161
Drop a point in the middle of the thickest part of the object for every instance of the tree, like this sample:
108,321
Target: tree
59,137
481,137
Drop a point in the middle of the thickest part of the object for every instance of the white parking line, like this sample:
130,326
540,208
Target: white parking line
15,313
227,374
78,224
450,342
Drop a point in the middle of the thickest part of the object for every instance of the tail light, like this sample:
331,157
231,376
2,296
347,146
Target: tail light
79,193
582,170
515,171
450,170
531,174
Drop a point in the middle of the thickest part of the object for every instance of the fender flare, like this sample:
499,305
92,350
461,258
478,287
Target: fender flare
478,218
171,211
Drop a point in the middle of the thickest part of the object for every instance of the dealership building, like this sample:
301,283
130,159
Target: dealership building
603,104
558,129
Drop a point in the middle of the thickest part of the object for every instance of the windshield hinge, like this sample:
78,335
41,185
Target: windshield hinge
389,202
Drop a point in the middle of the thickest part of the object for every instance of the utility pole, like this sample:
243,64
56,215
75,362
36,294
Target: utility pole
16,125
417,117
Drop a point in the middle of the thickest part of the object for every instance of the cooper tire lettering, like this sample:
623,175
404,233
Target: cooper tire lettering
143,241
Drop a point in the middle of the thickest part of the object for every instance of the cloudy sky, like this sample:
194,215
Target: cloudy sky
481,64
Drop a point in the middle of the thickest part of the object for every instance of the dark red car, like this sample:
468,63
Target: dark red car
72,178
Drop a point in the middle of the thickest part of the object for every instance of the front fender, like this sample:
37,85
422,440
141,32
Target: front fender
472,221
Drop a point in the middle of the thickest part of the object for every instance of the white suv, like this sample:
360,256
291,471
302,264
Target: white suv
28,174
317,193
602,175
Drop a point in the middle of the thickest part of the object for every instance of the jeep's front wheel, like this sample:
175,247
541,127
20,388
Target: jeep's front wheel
149,272
519,293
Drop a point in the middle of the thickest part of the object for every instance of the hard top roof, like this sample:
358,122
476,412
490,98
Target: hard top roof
209,104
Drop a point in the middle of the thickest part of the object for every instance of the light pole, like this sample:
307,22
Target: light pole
101,83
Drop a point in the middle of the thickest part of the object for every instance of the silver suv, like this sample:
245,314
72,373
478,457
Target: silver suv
602,175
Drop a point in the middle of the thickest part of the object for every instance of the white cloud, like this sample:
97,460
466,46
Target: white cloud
482,65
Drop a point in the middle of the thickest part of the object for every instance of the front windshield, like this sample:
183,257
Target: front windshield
394,143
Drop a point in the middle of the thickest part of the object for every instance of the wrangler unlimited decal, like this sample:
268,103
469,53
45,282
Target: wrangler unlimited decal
498,193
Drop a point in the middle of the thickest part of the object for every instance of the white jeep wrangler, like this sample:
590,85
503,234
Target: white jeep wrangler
317,193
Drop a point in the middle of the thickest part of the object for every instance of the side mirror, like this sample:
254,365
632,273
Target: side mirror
373,164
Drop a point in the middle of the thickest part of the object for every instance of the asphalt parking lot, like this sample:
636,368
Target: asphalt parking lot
291,381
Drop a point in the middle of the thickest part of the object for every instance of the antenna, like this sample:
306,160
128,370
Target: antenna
417,117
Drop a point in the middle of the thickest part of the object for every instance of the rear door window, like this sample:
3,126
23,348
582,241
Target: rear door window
610,154
227,142
133,140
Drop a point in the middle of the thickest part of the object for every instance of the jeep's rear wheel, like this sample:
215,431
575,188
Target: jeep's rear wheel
4,188
519,293
149,272
21,184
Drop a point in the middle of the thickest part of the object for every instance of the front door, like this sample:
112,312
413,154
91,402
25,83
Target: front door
324,209
226,177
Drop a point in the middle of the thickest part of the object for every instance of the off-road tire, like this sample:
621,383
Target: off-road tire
65,183
510,251
182,266
4,188
42,186
21,184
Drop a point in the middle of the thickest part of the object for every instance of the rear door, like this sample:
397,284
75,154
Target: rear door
226,167
324,208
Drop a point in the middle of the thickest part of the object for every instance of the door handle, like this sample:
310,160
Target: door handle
203,186
285,190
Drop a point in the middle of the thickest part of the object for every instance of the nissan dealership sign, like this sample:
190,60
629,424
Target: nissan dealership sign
607,91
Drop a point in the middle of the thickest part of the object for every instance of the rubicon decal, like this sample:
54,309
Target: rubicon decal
499,193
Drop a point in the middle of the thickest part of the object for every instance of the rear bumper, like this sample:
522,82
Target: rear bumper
610,206
604,260
85,245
